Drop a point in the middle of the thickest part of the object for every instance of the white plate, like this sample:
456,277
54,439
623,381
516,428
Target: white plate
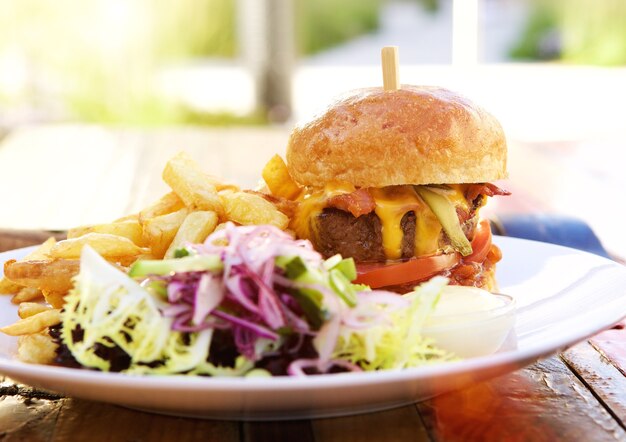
563,296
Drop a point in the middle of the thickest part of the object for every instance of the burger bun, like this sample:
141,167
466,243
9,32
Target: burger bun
413,135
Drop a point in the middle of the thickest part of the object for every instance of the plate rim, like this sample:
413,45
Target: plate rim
238,384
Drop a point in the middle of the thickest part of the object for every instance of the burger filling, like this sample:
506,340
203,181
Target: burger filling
395,224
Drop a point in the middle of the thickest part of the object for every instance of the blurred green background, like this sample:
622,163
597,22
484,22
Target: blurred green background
591,32
99,53
95,60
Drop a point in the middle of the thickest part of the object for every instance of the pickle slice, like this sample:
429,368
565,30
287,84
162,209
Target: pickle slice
445,212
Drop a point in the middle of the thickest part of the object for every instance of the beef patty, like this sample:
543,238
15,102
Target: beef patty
359,238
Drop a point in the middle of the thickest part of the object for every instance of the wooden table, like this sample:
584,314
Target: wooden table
57,177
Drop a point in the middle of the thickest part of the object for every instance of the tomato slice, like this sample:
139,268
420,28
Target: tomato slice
481,244
415,269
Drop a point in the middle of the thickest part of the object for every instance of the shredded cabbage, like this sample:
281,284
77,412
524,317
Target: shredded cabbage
395,343
107,308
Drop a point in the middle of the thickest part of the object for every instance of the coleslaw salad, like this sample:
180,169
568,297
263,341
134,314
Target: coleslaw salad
249,301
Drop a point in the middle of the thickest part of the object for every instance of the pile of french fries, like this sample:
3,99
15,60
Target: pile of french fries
197,205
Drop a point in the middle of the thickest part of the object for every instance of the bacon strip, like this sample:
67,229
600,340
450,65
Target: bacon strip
487,189
358,203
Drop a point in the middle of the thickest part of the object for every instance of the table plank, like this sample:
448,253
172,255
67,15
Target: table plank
400,424
287,431
544,402
611,344
14,239
32,420
26,413
600,376
93,421
59,176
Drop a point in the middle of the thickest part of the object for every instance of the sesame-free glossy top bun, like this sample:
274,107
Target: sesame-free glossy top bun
414,135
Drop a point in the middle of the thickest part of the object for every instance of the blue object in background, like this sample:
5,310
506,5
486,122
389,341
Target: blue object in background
555,229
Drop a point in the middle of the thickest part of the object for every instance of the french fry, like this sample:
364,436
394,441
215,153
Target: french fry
194,229
170,202
8,287
33,324
55,298
247,208
133,217
107,245
197,189
27,309
27,294
183,160
278,180
42,251
220,226
288,207
159,232
130,229
47,275
222,241
37,348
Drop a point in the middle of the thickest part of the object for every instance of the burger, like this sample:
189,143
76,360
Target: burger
396,179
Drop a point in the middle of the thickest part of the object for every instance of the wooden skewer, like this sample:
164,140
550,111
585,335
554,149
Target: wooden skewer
391,73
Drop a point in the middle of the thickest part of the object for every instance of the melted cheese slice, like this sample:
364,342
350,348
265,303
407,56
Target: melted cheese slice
311,206
392,203
427,233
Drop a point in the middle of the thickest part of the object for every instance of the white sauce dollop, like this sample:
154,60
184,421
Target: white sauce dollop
470,322
460,300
